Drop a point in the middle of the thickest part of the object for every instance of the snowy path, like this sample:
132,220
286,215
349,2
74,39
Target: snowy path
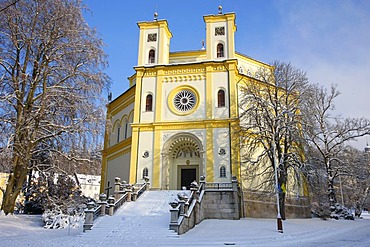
145,223
135,224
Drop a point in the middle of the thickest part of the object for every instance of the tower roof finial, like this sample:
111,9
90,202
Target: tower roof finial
156,13
220,9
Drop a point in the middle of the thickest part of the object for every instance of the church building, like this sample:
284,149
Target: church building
177,120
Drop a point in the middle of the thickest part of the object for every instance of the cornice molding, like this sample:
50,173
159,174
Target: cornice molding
205,124
121,145
119,154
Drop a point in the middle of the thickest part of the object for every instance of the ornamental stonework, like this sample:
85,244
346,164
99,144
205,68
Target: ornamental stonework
185,100
184,71
219,31
183,78
152,37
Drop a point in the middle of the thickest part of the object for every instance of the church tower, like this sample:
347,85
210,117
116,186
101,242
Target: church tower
154,42
220,31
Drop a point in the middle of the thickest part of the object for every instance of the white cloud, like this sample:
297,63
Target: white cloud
331,41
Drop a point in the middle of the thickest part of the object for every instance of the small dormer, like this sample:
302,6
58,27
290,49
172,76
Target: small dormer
154,42
220,31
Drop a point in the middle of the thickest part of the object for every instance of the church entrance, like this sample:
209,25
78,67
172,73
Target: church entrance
182,163
187,176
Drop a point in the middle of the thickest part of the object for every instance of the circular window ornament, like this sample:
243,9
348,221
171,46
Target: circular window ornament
222,152
183,100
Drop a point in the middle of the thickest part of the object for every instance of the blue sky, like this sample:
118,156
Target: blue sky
329,39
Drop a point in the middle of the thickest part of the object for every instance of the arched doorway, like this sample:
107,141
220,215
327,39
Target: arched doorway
182,161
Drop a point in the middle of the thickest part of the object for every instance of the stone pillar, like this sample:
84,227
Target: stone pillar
117,185
202,182
129,192
123,186
147,186
197,208
147,183
234,182
103,203
89,216
111,205
182,207
186,207
134,193
194,191
174,216
183,199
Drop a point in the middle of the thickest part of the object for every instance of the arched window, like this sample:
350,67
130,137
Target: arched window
118,132
126,129
222,172
221,98
130,121
149,103
145,173
220,50
152,56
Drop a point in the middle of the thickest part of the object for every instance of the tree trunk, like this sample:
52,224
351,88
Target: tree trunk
331,194
14,185
282,205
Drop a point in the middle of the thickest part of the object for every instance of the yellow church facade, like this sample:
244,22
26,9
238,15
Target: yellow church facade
178,119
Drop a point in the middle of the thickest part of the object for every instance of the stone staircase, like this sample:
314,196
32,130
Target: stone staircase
141,223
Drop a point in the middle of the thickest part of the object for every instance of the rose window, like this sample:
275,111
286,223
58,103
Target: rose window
184,100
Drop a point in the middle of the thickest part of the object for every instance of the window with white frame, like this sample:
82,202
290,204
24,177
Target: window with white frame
145,173
222,172
221,98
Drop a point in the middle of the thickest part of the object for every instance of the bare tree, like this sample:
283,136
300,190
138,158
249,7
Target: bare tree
9,4
355,187
51,80
270,126
328,137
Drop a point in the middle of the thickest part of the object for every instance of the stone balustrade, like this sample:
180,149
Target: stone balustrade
123,192
206,201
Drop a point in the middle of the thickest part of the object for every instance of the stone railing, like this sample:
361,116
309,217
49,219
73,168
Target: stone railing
123,192
206,201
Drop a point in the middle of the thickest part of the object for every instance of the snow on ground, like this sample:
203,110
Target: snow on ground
145,223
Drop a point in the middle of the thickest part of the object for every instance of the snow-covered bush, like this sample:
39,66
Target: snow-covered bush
338,211
324,211
321,211
60,201
56,219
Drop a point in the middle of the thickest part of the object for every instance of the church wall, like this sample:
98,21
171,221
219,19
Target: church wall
148,87
248,68
252,175
118,119
219,39
118,166
198,114
220,81
187,57
150,45
221,141
146,140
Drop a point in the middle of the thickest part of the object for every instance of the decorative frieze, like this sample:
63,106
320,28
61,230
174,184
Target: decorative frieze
184,71
219,68
151,73
184,78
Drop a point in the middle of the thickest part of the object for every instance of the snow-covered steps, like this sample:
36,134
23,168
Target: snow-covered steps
135,223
